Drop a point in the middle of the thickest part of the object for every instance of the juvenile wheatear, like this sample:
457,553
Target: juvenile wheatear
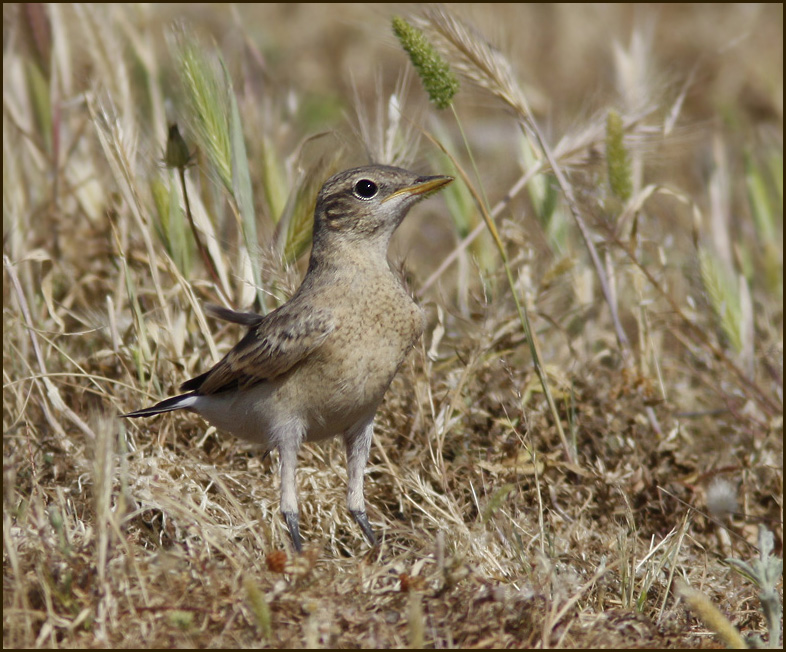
319,365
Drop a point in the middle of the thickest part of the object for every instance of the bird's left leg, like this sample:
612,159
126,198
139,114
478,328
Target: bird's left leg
357,442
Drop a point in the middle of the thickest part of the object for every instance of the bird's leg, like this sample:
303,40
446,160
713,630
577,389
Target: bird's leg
288,455
291,519
357,442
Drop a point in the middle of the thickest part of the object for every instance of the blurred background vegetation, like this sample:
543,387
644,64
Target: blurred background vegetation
541,477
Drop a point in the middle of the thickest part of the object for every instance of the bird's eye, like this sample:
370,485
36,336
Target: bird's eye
365,189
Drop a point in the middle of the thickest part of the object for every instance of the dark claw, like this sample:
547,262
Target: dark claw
362,521
291,519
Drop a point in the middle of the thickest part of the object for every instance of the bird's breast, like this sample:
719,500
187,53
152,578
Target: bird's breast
349,375
374,337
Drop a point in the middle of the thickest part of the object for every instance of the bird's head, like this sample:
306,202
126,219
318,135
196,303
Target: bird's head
365,205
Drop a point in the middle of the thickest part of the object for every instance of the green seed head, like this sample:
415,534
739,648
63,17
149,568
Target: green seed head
177,155
438,80
617,159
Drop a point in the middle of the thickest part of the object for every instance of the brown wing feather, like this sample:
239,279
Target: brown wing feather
280,340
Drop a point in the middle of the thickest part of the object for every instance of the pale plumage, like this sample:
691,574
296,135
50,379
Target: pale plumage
319,365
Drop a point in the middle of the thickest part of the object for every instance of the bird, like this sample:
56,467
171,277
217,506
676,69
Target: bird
319,365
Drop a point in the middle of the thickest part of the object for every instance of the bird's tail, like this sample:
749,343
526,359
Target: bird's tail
233,316
181,402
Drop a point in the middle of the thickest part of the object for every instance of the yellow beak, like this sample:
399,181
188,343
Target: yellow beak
424,186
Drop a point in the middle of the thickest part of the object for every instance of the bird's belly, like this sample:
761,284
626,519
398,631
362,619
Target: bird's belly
326,405
342,393
249,414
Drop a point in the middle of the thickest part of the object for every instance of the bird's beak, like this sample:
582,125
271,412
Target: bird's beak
423,186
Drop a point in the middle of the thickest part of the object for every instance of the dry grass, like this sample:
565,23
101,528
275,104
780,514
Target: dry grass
497,533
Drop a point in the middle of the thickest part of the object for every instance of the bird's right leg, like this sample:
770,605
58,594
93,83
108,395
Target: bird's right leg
357,442
287,450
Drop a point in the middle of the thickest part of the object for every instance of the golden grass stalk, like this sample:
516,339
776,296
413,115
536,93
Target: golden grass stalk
466,220
573,148
473,57
488,68
441,92
178,157
523,313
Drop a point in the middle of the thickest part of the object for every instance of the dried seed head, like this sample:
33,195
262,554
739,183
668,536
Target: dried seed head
721,498
277,561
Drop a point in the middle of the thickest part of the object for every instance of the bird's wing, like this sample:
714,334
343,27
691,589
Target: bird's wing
272,347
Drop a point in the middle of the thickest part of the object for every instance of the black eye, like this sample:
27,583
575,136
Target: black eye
365,189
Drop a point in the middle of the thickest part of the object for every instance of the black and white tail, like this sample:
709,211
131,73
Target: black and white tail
181,402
